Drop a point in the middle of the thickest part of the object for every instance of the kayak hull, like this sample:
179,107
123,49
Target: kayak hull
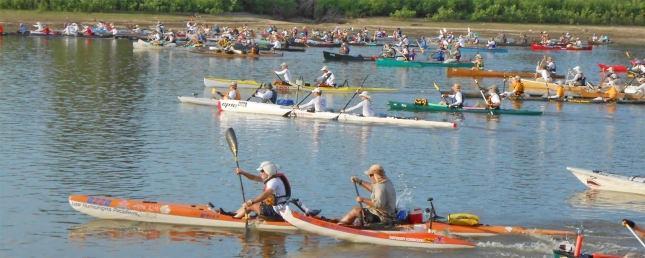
395,105
541,47
617,68
393,62
250,84
610,181
329,56
181,214
479,49
401,239
462,72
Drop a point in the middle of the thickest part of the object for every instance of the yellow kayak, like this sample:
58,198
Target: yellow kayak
249,84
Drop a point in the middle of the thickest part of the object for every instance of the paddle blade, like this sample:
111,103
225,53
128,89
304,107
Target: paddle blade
231,139
628,56
436,86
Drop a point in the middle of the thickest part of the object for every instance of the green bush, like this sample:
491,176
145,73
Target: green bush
403,14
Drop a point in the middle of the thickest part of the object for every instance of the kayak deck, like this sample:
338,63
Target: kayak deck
395,105
251,84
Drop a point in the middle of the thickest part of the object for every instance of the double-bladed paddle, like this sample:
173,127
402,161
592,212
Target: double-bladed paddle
256,90
303,99
350,100
440,94
231,139
481,90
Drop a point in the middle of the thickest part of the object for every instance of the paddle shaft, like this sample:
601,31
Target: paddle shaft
504,87
420,47
231,139
483,96
406,57
635,235
350,100
303,99
256,90
361,205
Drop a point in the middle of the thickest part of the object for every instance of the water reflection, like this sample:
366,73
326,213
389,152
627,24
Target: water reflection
594,199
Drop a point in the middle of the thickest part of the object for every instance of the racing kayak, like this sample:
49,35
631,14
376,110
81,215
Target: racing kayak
390,238
149,211
462,72
280,110
395,105
609,181
617,68
250,84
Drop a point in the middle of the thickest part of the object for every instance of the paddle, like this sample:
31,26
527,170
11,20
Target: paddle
361,204
504,87
303,99
231,139
350,100
482,92
256,90
406,57
634,233
420,47
441,94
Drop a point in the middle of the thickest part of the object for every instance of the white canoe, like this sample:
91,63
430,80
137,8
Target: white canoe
610,181
141,44
389,238
279,110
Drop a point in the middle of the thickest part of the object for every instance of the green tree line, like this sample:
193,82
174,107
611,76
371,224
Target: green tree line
594,12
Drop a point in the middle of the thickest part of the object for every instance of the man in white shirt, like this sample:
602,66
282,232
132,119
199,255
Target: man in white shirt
493,100
268,96
366,104
545,75
639,67
318,102
275,187
329,81
458,97
287,75
641,89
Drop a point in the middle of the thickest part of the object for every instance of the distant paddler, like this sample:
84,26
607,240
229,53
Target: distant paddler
456,55
423,45
578,79
493,100
517,87
559,91
344,49
233,93
479,63
639,68
319,103
287,75
457,99
327,79
366,104
269,95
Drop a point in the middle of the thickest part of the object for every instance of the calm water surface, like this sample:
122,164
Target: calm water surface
94,117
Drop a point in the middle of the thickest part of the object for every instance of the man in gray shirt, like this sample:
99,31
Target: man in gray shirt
381,206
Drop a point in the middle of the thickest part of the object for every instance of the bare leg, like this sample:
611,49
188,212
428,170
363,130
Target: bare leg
254,208
351,216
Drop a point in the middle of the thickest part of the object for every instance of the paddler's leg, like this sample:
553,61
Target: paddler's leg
253,208
351,216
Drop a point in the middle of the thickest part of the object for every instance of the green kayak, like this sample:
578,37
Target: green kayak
394,105
393,62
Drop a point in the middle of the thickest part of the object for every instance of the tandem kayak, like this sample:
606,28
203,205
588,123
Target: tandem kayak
609,181
542,47
250,84
389,238
394,62
329,56
395,105
280,110
160,212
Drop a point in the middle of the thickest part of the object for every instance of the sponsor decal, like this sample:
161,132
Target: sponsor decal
165,209
144,207
241,104
96,207
99,201
229,105
76,204
209,215
408,239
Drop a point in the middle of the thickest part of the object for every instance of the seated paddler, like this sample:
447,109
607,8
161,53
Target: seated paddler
457,99
381,206
276,193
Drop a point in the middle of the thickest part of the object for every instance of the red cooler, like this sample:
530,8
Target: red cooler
416,216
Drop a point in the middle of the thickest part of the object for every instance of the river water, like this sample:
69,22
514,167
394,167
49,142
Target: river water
95,117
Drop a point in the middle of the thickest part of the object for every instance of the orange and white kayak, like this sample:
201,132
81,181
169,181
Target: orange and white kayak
201,215
181,214
390,238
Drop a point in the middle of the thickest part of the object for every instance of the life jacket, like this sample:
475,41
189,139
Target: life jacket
274,97
237,95
582,79
463,99
519,88
271,200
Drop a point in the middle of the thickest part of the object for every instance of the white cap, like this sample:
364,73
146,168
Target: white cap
269,168
614,76
365,94
324,68
559,82
611,69
283,64
317,90
577,68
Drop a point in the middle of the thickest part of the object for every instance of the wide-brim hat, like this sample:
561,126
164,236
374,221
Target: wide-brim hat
478,56
317,90
456,86
365,94
518,77
493,88
376,169
324,68
269,168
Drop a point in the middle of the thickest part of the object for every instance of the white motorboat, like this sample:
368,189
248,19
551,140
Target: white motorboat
609,181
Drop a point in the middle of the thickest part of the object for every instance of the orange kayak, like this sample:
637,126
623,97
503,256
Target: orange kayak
201,215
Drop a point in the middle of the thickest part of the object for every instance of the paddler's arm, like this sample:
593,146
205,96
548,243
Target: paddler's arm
633,225
268,192
249,175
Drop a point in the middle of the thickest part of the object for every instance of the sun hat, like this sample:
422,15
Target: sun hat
517,77
457,86
234,84
559,82
639,61
577,68
324,68
493,88
641,79
317,90
365,94
269,168
376,169
610,69
283,64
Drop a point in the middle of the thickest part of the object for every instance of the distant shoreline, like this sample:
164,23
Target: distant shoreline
10,19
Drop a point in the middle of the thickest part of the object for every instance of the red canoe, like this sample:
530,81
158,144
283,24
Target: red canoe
541,47
617,68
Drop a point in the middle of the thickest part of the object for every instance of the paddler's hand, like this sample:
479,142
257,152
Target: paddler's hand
342,111
628,222
355,179
359,199
238,171
443,95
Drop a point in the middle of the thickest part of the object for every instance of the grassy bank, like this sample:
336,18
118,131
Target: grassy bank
413,27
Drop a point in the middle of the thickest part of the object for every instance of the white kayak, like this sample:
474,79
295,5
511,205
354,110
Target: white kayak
389,238
280,110
610,181
140,44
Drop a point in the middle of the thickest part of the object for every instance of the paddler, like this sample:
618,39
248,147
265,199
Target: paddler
269,95
366,104
517,86
382,204
276,192
232,93
287,75
578,79
329,81
479,63
319,103
344,49
458,98
559,91
639,68
640,231
493,100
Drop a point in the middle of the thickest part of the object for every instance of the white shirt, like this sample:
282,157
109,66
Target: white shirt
545,73
330,80
319,103
405,41
459,98
462,42
278,188
641,88
639,68
551,66
277,44
367,108
494,98
287,74
491,44
268,94
232,94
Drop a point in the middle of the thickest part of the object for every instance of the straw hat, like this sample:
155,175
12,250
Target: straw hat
493,88
376,169
518,77
365,94
234,84
478,56
324,68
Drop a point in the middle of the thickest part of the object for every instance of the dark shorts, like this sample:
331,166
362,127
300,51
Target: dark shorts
370,217
268,211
